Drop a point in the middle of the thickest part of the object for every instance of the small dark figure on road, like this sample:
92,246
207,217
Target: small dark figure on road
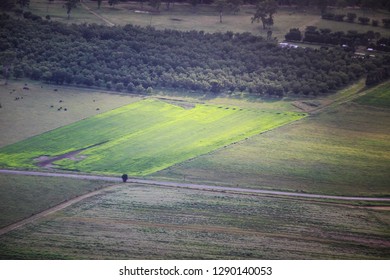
124,178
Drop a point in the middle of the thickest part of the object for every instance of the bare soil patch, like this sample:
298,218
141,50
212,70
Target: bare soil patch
48,162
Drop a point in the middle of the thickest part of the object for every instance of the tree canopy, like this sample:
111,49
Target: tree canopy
133,58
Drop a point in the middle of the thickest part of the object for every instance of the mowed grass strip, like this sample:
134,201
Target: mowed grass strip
144,137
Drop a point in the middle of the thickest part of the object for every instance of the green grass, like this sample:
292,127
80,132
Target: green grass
144,137
377,97
23,196
143,222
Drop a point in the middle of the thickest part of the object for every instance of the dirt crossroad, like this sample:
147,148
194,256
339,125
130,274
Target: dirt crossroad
193,186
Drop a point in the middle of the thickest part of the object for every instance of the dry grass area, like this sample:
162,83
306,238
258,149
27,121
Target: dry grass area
203,17
25,113
141,222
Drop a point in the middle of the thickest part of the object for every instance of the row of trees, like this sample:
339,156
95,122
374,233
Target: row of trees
351,38
373,4
351,17
132,58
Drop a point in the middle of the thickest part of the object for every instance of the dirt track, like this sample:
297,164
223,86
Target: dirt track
155,183
194,186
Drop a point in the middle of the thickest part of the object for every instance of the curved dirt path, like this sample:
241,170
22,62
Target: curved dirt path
195,186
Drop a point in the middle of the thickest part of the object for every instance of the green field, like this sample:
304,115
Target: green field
143,137
143,222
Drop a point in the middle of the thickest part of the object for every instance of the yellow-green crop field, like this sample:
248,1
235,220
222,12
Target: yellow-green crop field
143,137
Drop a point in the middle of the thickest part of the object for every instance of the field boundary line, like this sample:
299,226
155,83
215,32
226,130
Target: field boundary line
196,186
109,23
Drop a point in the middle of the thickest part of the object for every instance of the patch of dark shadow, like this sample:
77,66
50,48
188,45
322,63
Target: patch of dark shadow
46,161
176,102
312,103
176,19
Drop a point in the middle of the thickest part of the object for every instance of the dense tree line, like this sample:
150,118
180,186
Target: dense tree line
132,58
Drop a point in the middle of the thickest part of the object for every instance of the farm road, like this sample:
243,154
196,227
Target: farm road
155,183
193,186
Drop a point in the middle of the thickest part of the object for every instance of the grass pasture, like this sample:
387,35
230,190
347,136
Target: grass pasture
143,137
142,222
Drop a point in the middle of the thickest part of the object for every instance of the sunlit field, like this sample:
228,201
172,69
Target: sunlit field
143,137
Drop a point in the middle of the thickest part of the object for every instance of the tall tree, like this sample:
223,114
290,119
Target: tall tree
322,5
7,59
23,3
113,2
235,5
155,4
221,5
69,5
265,9
7,4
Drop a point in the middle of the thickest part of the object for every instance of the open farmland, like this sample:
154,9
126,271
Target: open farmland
143,137
343,150
141,222
23,196
194,113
